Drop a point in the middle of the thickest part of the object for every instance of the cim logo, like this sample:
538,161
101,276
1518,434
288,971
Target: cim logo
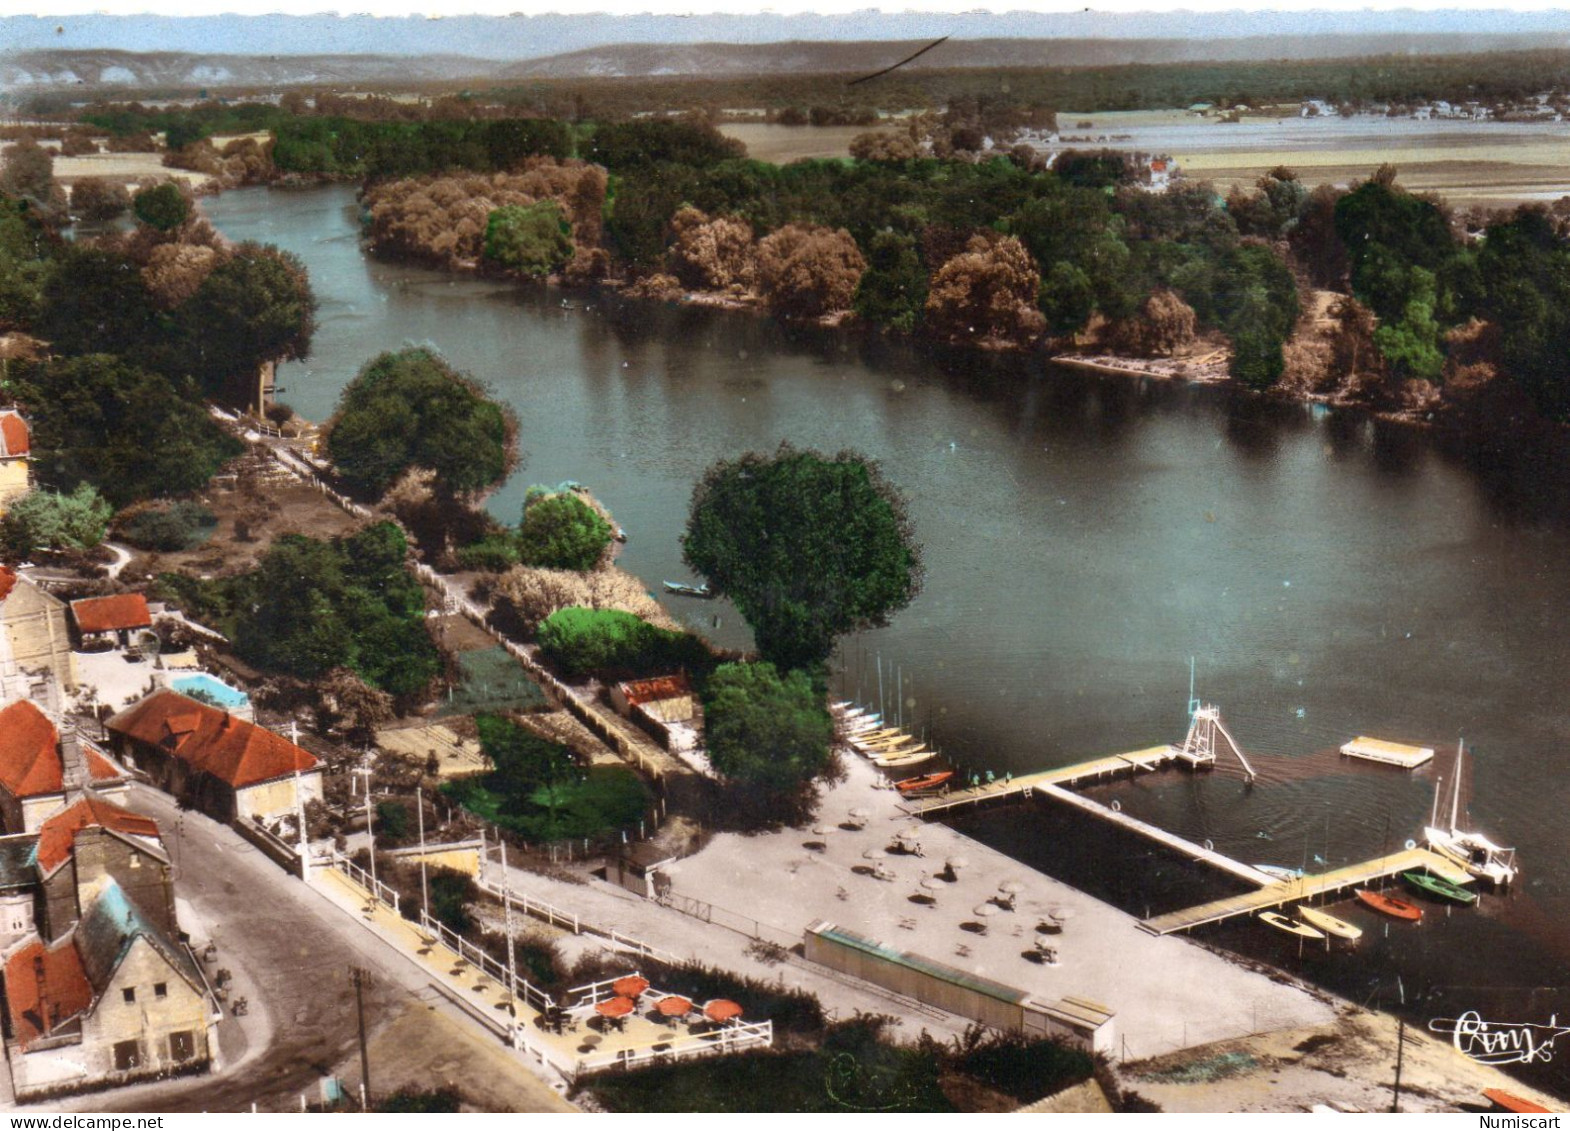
1500,1042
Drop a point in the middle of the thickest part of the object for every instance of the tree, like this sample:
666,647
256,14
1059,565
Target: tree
176,271
95,199
1066,298
893,289
254,307
27,173
95,301
1256,358
610,644
532,240
410,409
807,547
46,520
988,291
1410,345
561,531
132,434
164,206
712,254
766,732
806,271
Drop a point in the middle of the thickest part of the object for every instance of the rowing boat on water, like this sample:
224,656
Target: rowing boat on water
1512,1102
892,742
1439,888
1291,926
1328,923
683,590
1390,905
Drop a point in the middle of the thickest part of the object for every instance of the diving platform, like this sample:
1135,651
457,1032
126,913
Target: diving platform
1280,892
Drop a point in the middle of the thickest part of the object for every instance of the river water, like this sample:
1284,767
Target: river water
1084,537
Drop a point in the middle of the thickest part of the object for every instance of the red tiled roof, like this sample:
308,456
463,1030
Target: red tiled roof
14,438
58,833
108,614
66,990
1158,166
100,768
29,753
642,691
210,740
7,582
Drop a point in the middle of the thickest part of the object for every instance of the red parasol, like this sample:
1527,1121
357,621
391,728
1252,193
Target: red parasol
721,1009
615,1007
630,986
674,1006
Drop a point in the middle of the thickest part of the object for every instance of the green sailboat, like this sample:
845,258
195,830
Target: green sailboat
1439,888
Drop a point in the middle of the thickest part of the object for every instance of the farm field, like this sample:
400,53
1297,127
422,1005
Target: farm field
767,141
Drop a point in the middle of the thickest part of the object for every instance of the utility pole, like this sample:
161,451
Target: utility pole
359,976
1395,1103
425,891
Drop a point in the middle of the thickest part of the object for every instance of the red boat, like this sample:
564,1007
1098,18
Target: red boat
923,783
1399,908
1512,1102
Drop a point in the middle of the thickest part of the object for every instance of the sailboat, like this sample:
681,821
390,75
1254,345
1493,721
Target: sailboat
1473,851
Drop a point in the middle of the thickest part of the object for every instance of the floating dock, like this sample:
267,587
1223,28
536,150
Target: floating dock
1303,888
1390,753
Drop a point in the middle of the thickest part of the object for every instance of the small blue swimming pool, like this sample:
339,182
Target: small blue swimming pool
210,687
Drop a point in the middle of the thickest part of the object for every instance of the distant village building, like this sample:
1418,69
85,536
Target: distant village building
40,766
113,1000
16,447
34,639
1161,171
111,618
226,767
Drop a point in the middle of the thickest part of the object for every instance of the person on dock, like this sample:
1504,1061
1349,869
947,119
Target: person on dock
989,777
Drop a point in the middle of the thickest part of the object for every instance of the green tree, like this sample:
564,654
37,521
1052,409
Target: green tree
95,301
611,644
1525,277
893,290
48,520
561,531
132,434
1256,358
162,206
26,251
1067,298
765,732
410,409
806,546
530,239
254,307
1410,346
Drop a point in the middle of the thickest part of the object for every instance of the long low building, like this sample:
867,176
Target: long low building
226,767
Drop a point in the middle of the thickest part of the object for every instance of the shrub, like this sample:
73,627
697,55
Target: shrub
610,644
494,553
533,240
169,529
562,532
47,520
524,597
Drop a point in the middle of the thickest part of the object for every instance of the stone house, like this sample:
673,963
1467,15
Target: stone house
40,766
33,633
18,888
113,618
112,1001
15,450
90,845
226,767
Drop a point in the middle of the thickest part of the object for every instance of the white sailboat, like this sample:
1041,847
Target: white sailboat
1473,851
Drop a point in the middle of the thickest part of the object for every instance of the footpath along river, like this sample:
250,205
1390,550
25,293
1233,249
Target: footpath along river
1084,537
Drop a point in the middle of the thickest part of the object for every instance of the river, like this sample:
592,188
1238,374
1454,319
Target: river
1084,537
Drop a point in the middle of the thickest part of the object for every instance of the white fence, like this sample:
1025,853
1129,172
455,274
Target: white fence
572,921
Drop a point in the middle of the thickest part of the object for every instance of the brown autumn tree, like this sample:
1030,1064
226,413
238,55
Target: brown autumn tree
97,199
806,271
27,172
884,145
1314,242
711,254
1160,327
174,271
987,293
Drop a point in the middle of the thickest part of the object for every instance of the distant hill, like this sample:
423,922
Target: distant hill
56,69
170,70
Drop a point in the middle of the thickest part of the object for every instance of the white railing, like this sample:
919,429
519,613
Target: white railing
726,1039
534,997
360,876
572,921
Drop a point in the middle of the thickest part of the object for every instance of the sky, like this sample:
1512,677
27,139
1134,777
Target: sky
291,27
